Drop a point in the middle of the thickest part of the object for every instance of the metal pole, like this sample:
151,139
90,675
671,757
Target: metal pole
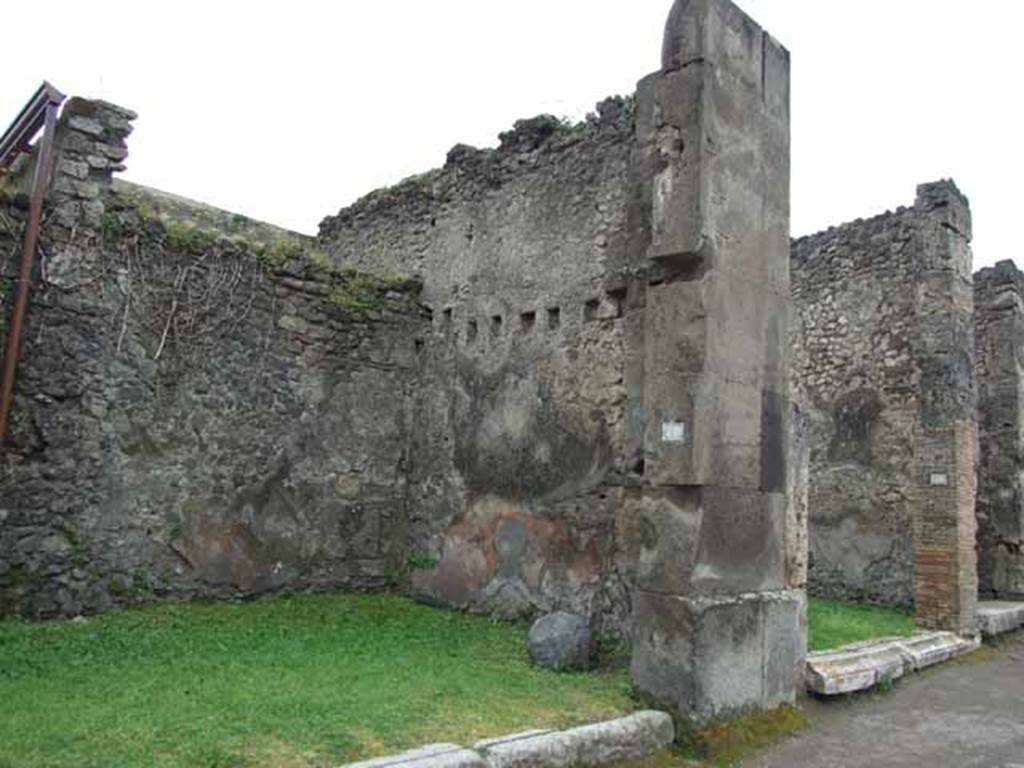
39,184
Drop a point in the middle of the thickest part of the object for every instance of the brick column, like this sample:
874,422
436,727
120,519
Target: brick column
945,568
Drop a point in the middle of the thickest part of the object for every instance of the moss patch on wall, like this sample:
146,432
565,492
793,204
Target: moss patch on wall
137,213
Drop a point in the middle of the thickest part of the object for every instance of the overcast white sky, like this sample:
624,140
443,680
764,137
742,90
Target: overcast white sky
287,111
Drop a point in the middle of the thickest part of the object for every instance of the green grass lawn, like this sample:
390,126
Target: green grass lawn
831,624
298,682
285,683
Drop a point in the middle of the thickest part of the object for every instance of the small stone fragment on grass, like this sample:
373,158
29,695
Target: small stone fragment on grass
561,641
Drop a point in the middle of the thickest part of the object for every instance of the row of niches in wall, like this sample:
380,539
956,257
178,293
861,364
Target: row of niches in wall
468,328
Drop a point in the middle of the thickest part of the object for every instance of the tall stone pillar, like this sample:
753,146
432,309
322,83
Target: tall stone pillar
999,366
719,610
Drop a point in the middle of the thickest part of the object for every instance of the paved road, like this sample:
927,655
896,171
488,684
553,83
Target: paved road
967,715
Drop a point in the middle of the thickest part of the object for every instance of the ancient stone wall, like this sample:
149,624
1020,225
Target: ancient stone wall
605,389
203,407
586,406
882,357
999,337
525,470
853,370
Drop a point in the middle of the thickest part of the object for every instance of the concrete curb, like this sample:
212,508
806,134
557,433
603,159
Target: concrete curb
627,738
860,666
433,755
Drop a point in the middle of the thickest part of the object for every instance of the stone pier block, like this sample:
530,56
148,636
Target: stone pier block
714,379
709,541
717,628
707,657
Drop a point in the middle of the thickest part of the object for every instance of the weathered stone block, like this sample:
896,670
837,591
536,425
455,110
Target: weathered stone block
628,738
703,429
714,360
532,749
706,657
74,169
86,125
746,327
996,617
854,668
859,666
1007,564
430,756
711,541
719,323
607,743
926,649
668,133
718,32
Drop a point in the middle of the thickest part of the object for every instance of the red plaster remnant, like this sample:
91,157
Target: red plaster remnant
474,554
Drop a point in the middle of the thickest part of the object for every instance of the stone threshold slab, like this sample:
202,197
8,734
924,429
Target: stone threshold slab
998,616
628,738
859,666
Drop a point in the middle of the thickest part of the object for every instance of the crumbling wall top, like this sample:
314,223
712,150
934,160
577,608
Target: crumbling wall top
1002,272
939,198
945,197
469,172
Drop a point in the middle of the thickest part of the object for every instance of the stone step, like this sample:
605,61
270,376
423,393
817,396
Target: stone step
859,666
998,616
854,667
928,648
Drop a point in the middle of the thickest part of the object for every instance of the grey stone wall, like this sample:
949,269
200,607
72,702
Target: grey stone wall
852,370
203,407
526,467
999,335
590,285
579,400
882,363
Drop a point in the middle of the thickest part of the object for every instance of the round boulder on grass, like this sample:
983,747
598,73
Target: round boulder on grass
561,641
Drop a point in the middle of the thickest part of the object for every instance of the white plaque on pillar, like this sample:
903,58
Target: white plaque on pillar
673,432
938,478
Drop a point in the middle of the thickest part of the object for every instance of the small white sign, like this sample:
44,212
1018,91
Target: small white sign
673,432
939,478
